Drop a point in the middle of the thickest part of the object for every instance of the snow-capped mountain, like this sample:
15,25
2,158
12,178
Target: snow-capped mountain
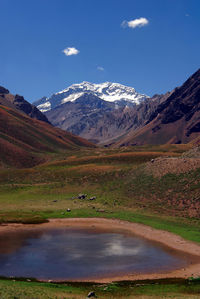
111,92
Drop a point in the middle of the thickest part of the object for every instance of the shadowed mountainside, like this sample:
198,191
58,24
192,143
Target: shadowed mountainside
175,120
18,102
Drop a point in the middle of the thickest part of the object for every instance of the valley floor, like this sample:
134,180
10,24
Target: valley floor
126,187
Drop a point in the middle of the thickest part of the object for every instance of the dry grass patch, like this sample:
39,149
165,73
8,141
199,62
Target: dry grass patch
93,168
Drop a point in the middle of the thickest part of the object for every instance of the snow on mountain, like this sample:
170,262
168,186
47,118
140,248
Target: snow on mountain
111,92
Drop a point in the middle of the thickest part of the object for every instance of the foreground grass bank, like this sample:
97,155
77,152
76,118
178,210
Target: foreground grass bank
167,288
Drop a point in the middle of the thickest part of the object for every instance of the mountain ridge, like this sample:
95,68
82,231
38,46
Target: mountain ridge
18,103
112,92
175,120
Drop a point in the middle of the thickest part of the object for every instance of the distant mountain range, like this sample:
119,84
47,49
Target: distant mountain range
113,114
92,110
26,137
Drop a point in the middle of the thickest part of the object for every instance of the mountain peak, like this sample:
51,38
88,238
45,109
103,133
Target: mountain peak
108,91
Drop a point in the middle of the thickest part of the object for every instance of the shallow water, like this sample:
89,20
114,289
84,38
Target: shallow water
82,253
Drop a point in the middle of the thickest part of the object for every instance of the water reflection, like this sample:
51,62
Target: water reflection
76,254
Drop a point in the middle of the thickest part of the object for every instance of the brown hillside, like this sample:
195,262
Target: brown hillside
25,142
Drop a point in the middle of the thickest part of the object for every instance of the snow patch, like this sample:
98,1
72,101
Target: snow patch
44,107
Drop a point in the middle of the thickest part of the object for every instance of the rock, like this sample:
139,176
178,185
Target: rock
91,294
68,210
152,160
82,196
54,200
92,198
3,90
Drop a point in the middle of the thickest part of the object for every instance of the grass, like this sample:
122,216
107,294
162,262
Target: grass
176,288
123,190
118,181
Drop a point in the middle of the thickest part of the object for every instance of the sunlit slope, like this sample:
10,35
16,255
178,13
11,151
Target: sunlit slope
24,141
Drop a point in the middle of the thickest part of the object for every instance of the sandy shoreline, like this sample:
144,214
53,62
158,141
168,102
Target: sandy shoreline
163,237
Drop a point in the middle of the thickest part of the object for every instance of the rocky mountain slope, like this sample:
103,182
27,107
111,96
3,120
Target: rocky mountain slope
19,103
100,121
176,119
98,112
110,113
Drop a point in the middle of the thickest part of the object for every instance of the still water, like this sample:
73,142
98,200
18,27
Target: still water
81,253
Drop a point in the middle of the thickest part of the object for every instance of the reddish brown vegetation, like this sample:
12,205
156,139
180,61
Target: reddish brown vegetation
22,139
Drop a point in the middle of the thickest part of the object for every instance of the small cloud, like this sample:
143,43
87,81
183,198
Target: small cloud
187,15
100,68
135,23
70,51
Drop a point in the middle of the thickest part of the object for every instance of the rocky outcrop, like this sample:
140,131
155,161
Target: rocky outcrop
19,103
3,90
31,110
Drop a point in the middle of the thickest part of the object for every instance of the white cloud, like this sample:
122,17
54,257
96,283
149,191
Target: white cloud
70,51
100,68
135,23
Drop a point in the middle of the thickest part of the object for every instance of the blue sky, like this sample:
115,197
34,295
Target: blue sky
153,58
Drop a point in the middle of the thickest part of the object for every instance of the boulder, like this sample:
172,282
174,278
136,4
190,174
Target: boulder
82,196
92,198
91,294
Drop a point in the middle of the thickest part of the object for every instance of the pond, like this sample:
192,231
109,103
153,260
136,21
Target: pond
72,253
